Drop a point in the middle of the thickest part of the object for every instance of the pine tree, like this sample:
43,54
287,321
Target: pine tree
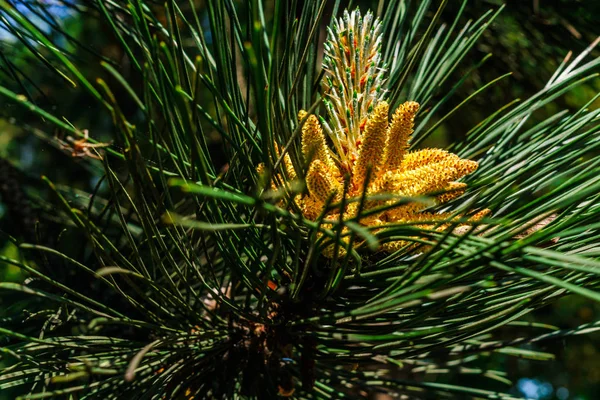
320,252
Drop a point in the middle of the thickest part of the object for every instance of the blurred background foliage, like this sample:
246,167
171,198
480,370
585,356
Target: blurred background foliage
529,38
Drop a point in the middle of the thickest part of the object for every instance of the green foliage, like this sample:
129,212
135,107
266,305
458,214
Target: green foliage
183,275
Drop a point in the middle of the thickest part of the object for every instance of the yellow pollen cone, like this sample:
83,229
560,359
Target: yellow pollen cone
321,183
452,191
287,163
370,154
314,146
419,158
399,134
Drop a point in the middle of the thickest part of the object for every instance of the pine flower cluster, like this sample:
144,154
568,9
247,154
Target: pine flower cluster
368,150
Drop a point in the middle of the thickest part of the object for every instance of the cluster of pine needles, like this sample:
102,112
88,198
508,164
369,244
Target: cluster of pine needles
321,252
